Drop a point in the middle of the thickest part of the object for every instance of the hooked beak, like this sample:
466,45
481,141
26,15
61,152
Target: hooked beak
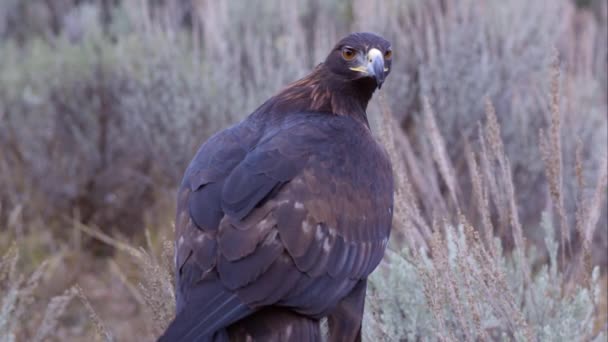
373,66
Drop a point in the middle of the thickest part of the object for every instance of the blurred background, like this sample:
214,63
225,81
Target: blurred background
495,115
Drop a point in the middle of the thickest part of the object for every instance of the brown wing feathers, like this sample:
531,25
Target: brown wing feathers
269,252
280,220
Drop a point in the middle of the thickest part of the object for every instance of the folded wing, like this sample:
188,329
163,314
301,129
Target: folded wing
274,228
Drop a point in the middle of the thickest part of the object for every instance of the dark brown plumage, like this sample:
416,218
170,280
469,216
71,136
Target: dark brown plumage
281,218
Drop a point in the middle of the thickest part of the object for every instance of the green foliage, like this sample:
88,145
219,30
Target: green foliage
94,126
97,99
465,305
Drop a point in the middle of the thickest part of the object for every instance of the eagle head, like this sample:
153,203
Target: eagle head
343,84
362,58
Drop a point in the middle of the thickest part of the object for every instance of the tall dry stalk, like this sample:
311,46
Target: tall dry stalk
551,152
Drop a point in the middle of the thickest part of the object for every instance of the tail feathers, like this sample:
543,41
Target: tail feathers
209,309
274,324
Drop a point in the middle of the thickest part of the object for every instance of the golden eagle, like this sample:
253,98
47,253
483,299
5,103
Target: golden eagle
282,217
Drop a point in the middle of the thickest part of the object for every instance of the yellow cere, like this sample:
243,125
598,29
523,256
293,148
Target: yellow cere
360,68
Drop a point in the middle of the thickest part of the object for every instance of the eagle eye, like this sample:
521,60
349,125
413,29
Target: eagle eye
348,53
388,54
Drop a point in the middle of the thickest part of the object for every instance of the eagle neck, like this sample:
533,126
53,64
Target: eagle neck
325,92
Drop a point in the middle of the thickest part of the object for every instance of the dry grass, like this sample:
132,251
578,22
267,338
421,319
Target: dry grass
494,116
155,289
100,328
472,289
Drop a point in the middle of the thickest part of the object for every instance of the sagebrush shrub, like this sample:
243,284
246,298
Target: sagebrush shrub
494,116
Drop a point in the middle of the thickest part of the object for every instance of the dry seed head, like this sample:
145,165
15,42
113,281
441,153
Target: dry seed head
100,328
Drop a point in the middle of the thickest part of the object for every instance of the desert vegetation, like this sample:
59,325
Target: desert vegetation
495,117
